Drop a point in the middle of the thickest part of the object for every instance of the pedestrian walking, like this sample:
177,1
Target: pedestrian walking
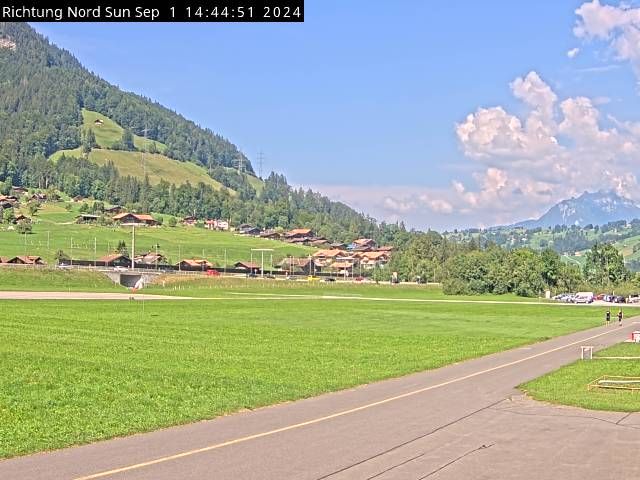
607,317
620,317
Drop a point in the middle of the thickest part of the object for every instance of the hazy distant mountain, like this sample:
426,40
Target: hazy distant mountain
596,208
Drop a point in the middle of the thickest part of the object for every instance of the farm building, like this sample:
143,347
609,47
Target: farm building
135,219
87,218
248,266
115,260
300,265
192,264
298,233
23,260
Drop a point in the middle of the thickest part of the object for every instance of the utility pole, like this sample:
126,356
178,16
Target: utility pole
95,252
133,247
260,161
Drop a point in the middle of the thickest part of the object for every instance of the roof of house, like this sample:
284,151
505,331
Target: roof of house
6,259
247,265
374,255
299,231
29,259
385,248
194,262
332,253
363,241
341,265
87,215
112,257
145,217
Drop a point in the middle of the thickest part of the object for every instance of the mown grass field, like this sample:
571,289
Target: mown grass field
156,166
568,385
74,372
30,279
203,287
54,229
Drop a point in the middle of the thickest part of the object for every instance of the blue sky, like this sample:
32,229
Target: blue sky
367,101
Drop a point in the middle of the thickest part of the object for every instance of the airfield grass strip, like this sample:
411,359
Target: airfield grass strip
77,371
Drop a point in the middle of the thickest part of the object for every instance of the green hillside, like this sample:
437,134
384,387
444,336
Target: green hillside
54,229
156,166
108,133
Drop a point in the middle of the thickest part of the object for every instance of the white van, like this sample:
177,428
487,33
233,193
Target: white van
583,297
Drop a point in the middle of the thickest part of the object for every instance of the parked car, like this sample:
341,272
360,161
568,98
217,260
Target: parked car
619,299
120,269
329,279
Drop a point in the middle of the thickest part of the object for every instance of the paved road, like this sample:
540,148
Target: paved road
464,421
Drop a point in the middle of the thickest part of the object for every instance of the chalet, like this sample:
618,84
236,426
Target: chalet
339,246
193,264
308,266
371,259
246,229
38,197
363,244
87,218
216,224
248,266
78,198
385,248
271,234
320,242
5,204
18,190
190,221
115,260
331,254
20,218
98,122
11,200
344,267
23,260
151,259
135,219
298,233
114,210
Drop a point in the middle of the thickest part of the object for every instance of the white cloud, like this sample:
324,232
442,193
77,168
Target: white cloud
618,26
573,52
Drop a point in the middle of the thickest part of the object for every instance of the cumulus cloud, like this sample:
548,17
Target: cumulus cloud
618,26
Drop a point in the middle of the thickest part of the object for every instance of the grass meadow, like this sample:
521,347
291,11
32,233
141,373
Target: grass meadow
54,229
76,371
568,385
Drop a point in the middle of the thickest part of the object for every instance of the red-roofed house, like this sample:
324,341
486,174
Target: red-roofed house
135,219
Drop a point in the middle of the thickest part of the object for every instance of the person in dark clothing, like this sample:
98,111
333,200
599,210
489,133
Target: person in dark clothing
607,317
620,317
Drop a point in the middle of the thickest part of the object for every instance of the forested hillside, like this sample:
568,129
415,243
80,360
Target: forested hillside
44,88
43,91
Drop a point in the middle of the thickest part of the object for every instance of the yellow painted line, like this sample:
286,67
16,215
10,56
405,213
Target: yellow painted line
328,417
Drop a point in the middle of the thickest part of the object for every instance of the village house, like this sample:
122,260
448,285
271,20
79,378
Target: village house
87,218
19,218
135,219
298,233
114,210
98,122
19,190
150,259
23,260
372,259
246,229
363,244
190,221
319,242
271,234
248,266
193,264
217,225
115,260
308,266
